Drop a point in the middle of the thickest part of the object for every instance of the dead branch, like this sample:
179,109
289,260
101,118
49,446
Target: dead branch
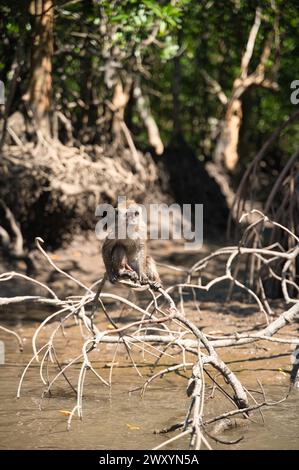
11,332
250,43
160,324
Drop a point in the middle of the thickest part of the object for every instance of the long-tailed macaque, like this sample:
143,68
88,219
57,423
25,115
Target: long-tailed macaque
126,257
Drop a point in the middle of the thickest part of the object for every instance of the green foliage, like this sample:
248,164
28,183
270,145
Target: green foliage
97,42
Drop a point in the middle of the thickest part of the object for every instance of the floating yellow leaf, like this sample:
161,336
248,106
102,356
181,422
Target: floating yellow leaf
133,427
110,364
65,412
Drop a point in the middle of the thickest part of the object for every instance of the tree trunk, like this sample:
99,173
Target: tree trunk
120,99
40,83
87,92
144,110
176,86
226,150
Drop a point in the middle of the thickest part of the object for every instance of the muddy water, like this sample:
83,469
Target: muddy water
116,419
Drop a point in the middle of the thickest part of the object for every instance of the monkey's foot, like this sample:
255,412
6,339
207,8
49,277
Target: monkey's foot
144,279
155,285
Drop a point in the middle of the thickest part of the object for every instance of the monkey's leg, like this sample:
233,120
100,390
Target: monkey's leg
117,263
151,275
112,276
108,253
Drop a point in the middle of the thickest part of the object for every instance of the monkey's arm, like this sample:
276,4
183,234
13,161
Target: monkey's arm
151,270
145,267
150,275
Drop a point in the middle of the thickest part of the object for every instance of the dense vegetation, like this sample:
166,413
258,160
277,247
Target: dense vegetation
169,46
208,80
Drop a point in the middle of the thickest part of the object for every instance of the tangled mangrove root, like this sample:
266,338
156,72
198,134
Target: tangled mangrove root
57,187
160,325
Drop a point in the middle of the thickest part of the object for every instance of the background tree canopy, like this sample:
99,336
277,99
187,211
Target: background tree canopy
207,81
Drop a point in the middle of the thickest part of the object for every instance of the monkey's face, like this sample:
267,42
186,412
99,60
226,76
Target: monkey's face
133,216
130,221
128,217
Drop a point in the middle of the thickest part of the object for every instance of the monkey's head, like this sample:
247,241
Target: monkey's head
130,214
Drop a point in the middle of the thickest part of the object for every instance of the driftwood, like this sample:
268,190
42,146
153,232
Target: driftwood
159,325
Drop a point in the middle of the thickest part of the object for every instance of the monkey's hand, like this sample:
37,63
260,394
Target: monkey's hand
144,279
132,275
114,277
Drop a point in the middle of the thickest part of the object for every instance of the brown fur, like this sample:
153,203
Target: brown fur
128,257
